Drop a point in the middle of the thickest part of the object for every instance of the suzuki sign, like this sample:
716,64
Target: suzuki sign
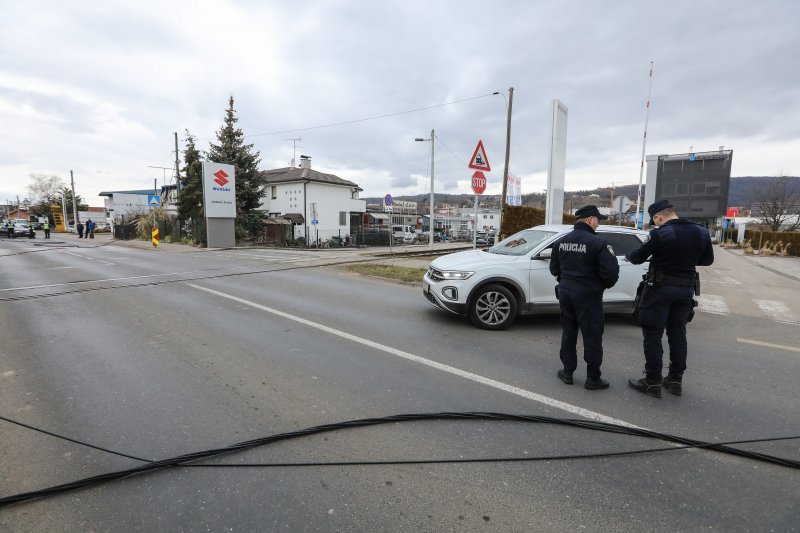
219,190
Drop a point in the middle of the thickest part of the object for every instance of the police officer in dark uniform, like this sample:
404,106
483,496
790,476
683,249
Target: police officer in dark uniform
585,266
675,248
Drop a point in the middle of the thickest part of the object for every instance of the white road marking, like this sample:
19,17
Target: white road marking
89,258
777,311
550,402
710,303
725,280
54,268
769,345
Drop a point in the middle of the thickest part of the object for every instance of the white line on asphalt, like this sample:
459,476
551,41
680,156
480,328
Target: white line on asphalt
769,345
89,258
710,303
777,311
551,402
54,268
100,280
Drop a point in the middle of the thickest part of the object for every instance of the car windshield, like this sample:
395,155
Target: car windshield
521,243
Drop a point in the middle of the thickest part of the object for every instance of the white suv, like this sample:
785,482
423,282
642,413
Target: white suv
495,285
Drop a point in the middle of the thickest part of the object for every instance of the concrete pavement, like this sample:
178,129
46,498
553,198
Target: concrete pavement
788,267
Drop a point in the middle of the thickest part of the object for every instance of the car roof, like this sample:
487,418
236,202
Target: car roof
602,228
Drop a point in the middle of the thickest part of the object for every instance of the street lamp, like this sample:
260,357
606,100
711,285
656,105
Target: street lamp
430,225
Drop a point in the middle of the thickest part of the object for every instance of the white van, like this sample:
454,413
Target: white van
404,234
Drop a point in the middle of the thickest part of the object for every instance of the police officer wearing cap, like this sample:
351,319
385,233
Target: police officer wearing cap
675,247
585,266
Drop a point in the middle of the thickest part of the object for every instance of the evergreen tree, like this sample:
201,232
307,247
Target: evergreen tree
232,150
190,199
67,193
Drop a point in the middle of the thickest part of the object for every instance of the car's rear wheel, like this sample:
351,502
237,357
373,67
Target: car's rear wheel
493,307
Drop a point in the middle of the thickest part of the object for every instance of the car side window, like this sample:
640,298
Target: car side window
622,243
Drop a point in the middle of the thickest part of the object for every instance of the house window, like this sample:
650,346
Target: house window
274,192
342,218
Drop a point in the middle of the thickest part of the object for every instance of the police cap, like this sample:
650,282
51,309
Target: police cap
657,207
589,211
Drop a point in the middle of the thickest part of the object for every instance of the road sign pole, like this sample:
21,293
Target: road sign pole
475,226
155,189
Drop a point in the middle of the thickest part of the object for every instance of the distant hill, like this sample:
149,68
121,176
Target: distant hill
741,193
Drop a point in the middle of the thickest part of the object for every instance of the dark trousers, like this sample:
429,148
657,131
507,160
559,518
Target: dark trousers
47,233
581,311
661,308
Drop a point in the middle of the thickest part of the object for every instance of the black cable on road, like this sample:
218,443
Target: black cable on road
177,280
186,459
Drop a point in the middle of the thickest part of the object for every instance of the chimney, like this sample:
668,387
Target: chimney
305,161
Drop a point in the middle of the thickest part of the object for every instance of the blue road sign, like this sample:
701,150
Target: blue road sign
387,199
153,200
315,222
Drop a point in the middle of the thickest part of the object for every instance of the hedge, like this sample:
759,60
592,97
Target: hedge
517,218
756,236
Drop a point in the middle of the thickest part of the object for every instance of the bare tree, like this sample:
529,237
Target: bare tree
778,202
44,187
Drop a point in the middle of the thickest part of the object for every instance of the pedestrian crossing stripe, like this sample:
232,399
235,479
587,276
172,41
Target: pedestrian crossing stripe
775,310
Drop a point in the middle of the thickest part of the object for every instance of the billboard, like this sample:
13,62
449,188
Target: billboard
696,183
219,190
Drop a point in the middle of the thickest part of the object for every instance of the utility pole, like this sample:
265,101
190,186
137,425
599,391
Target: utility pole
508,152
644,144
177,171
74,202
612,203
430,234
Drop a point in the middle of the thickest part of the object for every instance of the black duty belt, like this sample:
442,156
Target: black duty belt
675,281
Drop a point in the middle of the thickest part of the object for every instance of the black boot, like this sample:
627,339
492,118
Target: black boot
673,384
647,385
596,383
565,376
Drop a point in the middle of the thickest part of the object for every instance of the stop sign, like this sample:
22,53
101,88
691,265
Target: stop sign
478,182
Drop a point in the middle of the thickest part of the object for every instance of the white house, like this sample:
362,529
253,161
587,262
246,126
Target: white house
327,203
123,205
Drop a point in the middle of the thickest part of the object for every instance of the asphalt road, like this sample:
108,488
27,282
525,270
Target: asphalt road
157,354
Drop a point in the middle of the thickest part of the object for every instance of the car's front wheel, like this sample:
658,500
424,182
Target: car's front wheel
493,307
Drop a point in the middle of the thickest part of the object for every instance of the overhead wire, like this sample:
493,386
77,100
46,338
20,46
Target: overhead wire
387,115
187,460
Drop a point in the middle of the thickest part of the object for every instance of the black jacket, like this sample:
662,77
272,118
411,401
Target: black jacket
583,261
676,248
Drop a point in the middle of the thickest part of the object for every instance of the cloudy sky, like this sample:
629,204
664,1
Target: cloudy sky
99,87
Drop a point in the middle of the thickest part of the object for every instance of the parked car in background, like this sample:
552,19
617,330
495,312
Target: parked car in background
404,234
483,239
494,285
21,230
425,237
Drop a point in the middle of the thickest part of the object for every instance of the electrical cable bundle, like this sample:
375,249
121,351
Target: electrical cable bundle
187,460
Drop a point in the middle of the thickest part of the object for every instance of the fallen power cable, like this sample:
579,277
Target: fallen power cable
187,460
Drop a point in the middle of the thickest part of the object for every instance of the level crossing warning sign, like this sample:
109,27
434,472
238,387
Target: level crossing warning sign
478,161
